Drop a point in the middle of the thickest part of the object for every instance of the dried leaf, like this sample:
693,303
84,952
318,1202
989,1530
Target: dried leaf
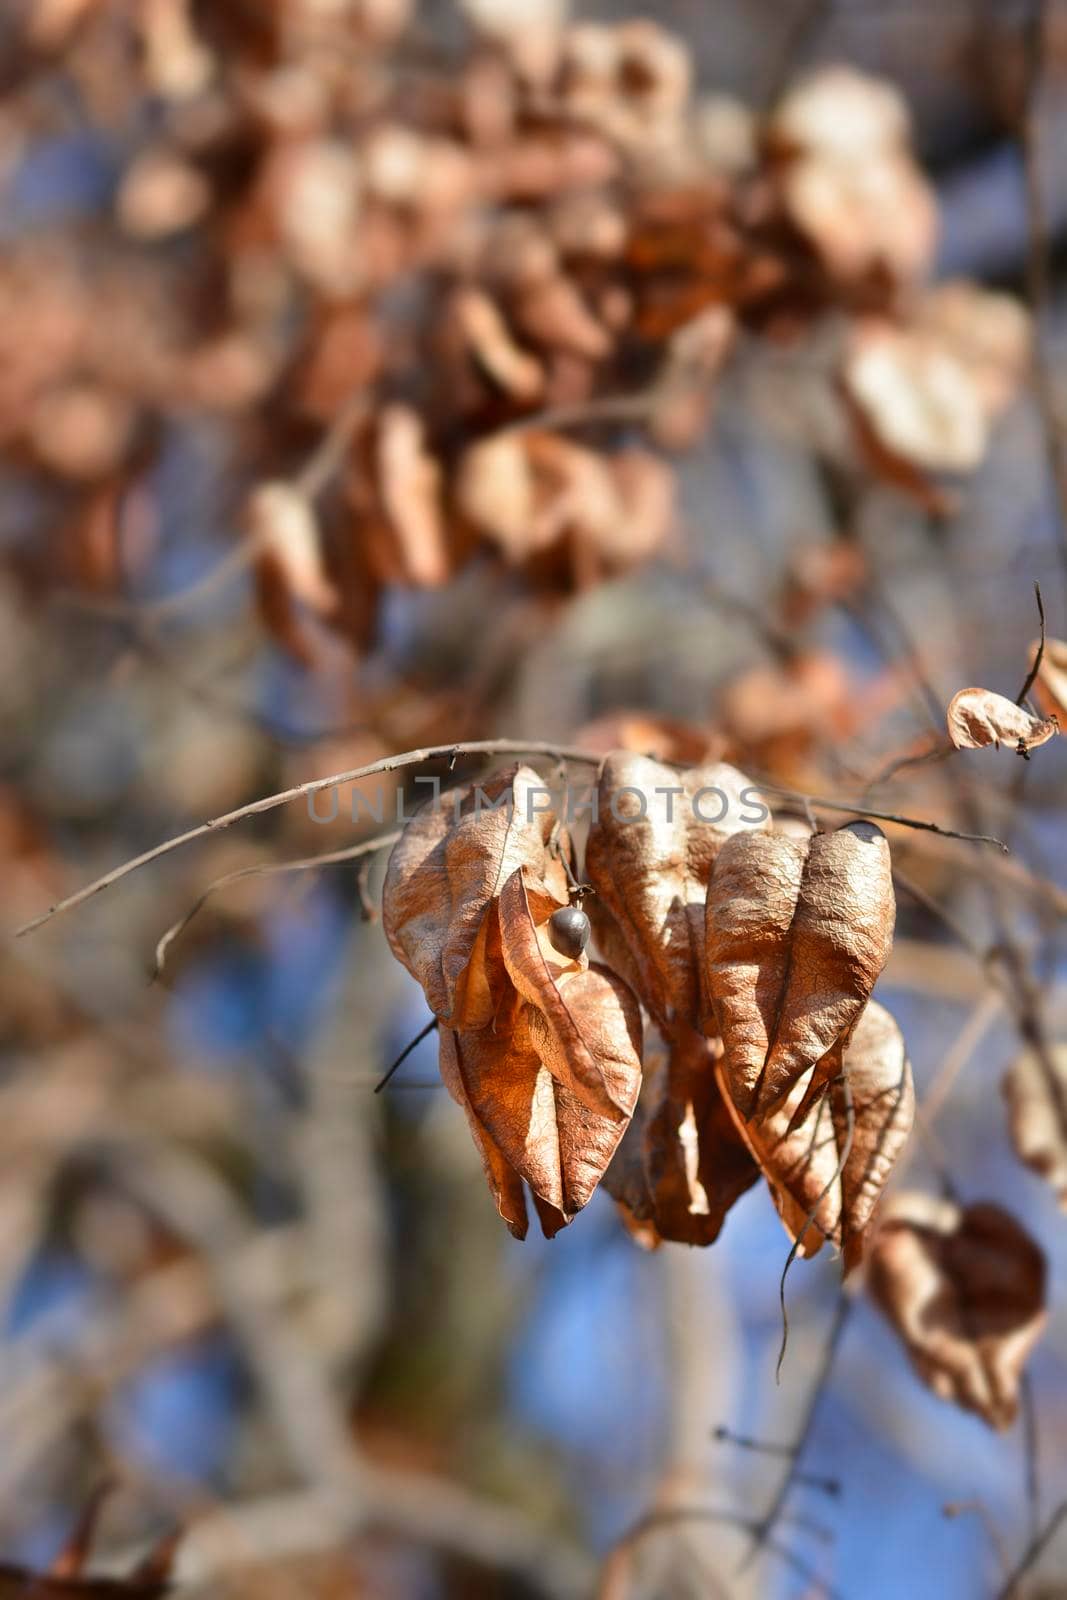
828,1149
495,490
1050,685
527,1124
406,520
527,492
630,80
564,1026
1036,1096
841,113
160,194
681,1164
649,858
281,523
978,718
446,871
849,181
552,312
965,1289
797,932
530,30
988,332
919,398
864,217
550,1084
927,393
487,336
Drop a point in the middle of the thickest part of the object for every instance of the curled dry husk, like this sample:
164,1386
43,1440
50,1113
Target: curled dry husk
681,1164
542,1052
1050,685
1035,1090
649,857
978,718
965,1289
797,932
828,1149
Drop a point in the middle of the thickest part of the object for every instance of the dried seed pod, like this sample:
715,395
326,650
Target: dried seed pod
965,1289
978,718
797,932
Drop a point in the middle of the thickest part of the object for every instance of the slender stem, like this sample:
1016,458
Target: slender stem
263,869
765,1527
664,1515
1032,1554
858,809
409,758
812,1480
976,1508
413,758
1036,668
422,1034
844,1151
1031,1462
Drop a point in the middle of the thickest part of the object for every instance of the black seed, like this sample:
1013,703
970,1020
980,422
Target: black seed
568,929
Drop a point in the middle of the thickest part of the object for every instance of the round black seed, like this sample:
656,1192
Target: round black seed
568,929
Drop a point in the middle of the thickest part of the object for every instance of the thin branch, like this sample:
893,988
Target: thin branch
1031,1457
936,750
800,33
412,758
844,1151
264,869
422,1034
977,1508
765,1527
858,809
72,1558
1033,1553
608,408
409,758
1036,668
811,1480
328,455
665,1515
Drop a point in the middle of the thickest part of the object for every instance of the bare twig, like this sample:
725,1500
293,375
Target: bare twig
1031,1460
978,1508
1033,1553
842,1162
1036,668
409,758
765,1526
858,809
607,408
423,1033
330,451
265,869
617,1563
412,758
310,481
812,1480
800,32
